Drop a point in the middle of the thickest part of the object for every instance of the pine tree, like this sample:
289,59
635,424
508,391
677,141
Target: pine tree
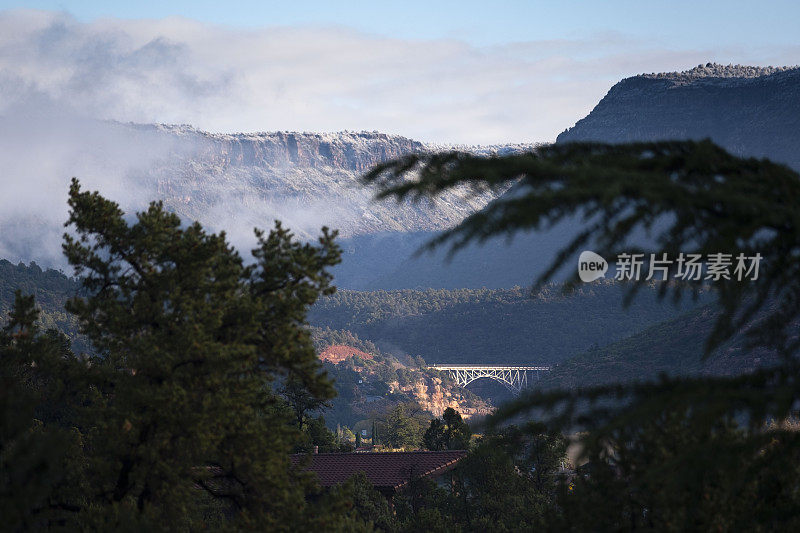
40,482
447,433
184,427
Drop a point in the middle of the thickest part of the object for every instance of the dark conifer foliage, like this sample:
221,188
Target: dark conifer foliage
694,196
41,484
175,415
663,454
447,433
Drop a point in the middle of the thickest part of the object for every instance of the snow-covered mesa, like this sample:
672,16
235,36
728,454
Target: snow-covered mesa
231,182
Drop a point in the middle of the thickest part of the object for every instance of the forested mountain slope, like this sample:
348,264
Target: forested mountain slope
494,326
370,383
462,325
367,386
674,347
589,336
50,287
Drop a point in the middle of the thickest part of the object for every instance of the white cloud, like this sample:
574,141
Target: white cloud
41,148
318,79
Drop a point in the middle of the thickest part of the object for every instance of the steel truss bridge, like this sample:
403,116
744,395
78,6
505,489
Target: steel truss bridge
515,378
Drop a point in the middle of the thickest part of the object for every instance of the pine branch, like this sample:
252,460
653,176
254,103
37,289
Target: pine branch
693,197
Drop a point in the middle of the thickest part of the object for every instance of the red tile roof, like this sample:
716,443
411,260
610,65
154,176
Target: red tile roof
385,470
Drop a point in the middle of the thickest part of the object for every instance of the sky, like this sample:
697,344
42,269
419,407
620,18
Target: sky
451,72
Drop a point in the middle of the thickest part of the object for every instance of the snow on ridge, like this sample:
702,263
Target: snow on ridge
717,70
343,135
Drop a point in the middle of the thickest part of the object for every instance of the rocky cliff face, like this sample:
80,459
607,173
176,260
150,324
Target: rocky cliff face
231,182
371,384
750,111
307,180
348,151
435,396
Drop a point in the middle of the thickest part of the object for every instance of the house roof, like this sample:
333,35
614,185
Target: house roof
385,470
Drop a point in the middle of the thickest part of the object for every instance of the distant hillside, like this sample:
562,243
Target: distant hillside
336,353
387,261
674,347
493,326
386,339
232,182
750,111
370,383
51,289
304,179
